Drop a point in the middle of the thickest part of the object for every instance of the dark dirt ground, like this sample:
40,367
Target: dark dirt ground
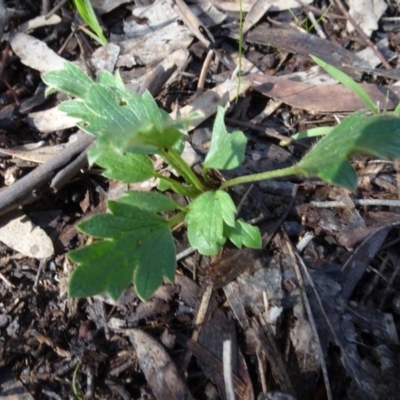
319,304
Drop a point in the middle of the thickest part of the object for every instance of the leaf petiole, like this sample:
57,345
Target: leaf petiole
177,187
173,158
176,219
279,173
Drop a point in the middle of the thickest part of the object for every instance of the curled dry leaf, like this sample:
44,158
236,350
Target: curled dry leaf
35,54
154,41
366,14
18,232
38,22
158,368
322,98
51,120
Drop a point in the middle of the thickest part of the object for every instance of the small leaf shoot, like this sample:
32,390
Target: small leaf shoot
244,234
206,218
227,149
150,201
348,82
87,13
377,135
127,167
71,79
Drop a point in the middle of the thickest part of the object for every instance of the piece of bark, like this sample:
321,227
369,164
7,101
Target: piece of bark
158,368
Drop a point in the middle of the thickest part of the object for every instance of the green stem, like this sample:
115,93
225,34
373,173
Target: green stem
176,219
279,173
177,187
173,158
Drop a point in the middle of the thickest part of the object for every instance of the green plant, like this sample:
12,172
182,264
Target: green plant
74,388
348,82
87,13
351,84
134,240
307,24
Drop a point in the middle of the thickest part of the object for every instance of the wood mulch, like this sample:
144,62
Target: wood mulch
314,315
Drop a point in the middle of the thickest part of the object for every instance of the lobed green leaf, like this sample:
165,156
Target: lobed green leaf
377,135
113,81
205,221
71,80
127,167
226,149
244,234
120,119
127,254
228,208
125,121
150,201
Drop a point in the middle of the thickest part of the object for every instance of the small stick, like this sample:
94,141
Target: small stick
50,342
396,164
6,281
183,254
267,131
66,174
203,73
45,7
227,363
23,191
316,25
243,199
56,8
262,365
42,264
192,22
200,317
357,202
375,280
319,12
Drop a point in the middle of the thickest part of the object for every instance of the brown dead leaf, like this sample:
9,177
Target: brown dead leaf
304,44
51,120
35,53
323,98
19,233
